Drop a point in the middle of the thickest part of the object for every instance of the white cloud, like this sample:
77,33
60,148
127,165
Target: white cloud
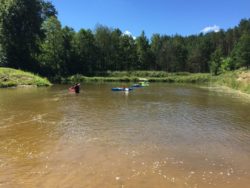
208,29
129,34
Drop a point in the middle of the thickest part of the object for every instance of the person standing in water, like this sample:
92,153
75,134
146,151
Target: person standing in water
77,88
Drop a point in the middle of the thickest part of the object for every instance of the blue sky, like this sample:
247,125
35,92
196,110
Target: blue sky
169,17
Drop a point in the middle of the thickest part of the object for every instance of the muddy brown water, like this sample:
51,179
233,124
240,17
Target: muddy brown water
160,136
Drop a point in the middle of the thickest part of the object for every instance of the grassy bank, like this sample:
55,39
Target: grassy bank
12,78
152,76
237,80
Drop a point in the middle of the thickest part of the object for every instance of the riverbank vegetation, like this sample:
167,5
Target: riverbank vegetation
12,78
237,80
151,76
33,39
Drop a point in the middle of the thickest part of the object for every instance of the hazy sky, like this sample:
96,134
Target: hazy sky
169,17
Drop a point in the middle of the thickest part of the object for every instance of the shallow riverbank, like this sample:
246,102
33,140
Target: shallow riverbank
17,78
237,80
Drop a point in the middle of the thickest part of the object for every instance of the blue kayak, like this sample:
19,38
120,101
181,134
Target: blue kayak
121,89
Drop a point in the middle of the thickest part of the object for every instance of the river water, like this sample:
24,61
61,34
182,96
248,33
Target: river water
160,136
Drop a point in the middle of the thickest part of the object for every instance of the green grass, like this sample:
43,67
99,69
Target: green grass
152,76
12,78
238,80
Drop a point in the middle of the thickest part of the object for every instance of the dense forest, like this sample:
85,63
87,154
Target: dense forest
33,39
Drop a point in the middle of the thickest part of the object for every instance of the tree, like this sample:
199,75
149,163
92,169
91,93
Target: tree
241,53
156,46
2,57
51,60
48,10
128,56
164,57
86,53
143,52
68,50
20,23
115,48
244,26
215,63
103,42
179,55
227,64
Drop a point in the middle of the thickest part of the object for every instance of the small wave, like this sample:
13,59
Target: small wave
38,117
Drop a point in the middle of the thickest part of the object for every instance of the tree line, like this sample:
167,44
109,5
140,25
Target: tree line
32,38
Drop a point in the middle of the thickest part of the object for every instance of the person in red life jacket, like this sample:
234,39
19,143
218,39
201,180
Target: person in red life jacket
77,88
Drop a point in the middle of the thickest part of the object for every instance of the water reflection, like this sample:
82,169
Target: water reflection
160,136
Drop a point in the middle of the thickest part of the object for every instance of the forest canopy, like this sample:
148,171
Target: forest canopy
33,39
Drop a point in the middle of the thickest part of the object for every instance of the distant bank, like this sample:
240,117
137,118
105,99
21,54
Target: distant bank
135,76
237,80
14,78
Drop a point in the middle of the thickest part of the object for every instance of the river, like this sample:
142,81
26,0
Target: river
164,135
